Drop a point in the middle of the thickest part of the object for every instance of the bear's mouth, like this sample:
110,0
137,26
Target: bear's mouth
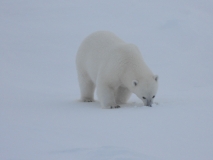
149,103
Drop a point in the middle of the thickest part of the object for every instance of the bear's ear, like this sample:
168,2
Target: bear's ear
134,83
156,78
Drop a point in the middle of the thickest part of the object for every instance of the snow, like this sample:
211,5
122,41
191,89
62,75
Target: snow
40,113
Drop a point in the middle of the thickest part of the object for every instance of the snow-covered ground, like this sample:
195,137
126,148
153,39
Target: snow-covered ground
40,115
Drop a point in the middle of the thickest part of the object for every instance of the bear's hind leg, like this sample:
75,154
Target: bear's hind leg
87,88
122,95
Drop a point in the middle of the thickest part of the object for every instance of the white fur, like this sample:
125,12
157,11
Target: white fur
116,68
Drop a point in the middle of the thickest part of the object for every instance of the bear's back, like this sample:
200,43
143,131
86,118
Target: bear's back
95,50
104,49
100,41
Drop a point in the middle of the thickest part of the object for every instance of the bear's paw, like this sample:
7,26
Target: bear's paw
117,106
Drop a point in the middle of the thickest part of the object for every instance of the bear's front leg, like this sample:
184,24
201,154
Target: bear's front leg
106,96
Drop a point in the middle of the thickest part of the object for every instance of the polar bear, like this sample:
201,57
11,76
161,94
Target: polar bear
116,68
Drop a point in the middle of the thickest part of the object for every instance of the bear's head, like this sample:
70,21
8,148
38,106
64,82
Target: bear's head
146,89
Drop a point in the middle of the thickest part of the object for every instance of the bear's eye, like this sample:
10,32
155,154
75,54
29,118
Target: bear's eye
153,97
144,97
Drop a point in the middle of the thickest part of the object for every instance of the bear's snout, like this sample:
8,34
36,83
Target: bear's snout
149,103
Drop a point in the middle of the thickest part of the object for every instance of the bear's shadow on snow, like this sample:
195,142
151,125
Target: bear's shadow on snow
68,104
96,105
